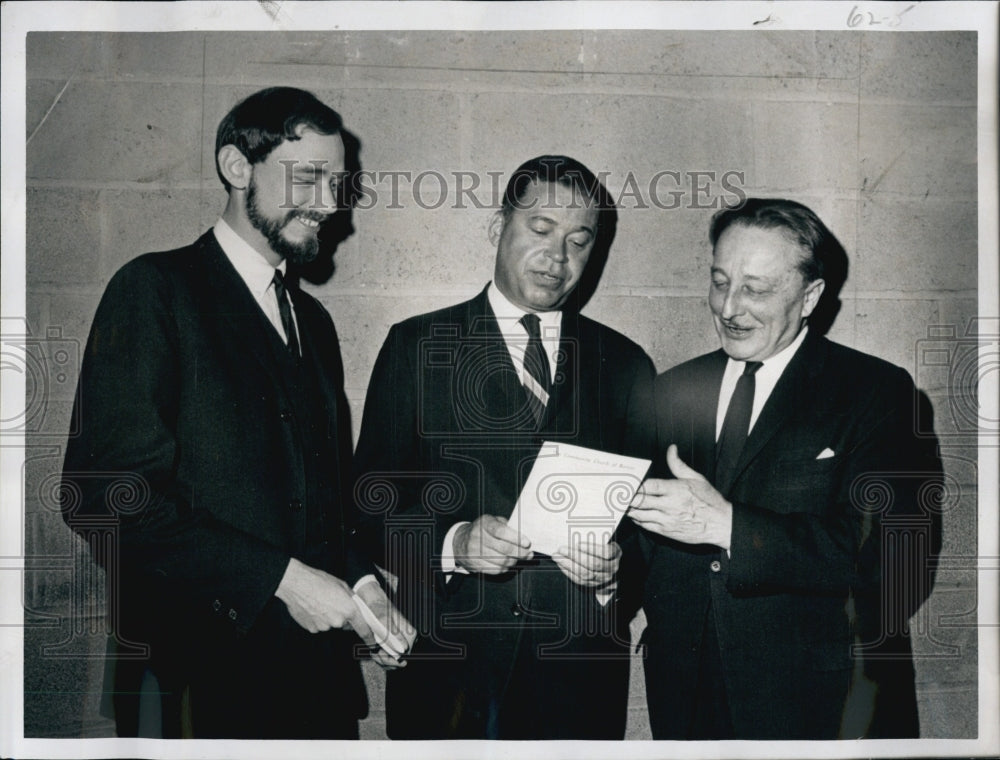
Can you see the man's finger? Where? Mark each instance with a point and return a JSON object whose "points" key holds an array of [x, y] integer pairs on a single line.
{"points": [[679, 468], [501, 550], [499, 529], [647, 519], [652, 487], [576, 573], [590, 561], [387, 661], [588, 564], [594, 549]]}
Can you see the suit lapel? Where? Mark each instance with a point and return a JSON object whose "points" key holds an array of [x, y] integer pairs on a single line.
{"points": [[787, 396], [327, 368], [569, 384], [704, 404], [504, 387], [228, 296], [504, 392]]}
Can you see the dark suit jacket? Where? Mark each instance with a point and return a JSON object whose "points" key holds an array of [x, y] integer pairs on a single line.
{"points": [[827, 553], [196, 468], [448, 436]]}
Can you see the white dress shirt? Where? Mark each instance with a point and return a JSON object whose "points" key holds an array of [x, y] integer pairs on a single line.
{"points": [[257, 273], [765, 379], [516, 337]]}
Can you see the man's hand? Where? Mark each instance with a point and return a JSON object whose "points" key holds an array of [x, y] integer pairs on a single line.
{"points": [[373, 596], [319, 601], [589, 564], [488, 545], [688, 509]]}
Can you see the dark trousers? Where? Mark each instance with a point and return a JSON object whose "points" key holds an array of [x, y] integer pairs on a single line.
{"points": [[711, 718]]}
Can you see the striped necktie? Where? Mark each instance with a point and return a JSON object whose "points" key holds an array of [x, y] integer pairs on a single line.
{"points": [[536, 376]]}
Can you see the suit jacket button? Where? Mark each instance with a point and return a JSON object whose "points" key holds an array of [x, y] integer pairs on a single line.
{"points": [[515, 609], [716, 566], [285, 415], [295, 505], [216, 605], [232, 614]]}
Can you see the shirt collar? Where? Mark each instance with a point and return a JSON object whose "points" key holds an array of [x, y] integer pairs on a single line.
{"points": [[772, 367], [252, 268], [508, 315]]}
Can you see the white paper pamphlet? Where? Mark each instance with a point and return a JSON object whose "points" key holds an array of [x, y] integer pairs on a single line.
{"points": [[575, 494]]}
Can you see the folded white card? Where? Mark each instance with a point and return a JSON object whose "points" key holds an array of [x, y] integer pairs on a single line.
{"points": [[575, 494], [389, 642]]}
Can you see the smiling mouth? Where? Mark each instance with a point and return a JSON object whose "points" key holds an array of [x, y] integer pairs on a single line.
{"points": [[735, 330], [308, 221]]}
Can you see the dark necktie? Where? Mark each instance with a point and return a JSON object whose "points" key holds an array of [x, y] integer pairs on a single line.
{"points": [[735, 428], [537, 380], [285, 309]]}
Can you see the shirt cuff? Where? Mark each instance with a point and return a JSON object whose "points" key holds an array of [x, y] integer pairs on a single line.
{"points": [[448, 565]]}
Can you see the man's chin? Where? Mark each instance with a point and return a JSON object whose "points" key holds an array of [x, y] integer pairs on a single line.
{"points": [[544, 299], [299, 257], [296, 253], [739, 350]]}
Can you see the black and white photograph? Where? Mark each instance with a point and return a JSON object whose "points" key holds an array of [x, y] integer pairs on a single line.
{"points": [[450, 379]]}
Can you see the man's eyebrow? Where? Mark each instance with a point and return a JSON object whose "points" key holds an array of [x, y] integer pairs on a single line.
{"points": [[550, 220], [541, 218], [752, 277]]}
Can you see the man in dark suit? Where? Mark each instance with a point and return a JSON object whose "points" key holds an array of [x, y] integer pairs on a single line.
{"points": [[788, 553], [515, 644], [212, 473]]}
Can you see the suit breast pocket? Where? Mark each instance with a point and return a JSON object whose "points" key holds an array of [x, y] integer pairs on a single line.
{"points": [[805, 485]]}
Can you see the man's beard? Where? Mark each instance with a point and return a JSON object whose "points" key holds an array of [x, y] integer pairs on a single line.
{"points": [[295, 253]]}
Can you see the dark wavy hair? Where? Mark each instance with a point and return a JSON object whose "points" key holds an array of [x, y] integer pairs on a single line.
{"points": [[569, 172], [260, 123], [799, 223]]}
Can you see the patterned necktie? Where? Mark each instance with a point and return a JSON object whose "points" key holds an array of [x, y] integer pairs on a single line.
{"points": [[285, 309], [735, 428], [536, 378]]}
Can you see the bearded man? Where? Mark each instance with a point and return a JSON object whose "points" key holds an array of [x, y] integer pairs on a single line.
{"points": [[212, 391]]}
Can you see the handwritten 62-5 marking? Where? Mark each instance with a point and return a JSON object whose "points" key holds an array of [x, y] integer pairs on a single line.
{"points": [[858, 17]]}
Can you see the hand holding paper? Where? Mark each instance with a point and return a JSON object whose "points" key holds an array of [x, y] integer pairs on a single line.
{"points": [[589, 564], [393, 633], [688, 509], [489, 545]]}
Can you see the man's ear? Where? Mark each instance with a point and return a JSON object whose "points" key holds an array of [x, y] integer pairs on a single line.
{"points": [[813, 291], [496, 227], [233, 165]]}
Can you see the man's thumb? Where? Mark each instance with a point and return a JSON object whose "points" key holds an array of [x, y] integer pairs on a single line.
{"points": [[678, 468]]}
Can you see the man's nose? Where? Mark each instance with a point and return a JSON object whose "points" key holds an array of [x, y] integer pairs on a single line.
{"points": [[732, 304], [558, 251]]}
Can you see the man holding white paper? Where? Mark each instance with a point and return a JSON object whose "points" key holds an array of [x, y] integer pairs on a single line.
{"points": [[515, 643]]}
